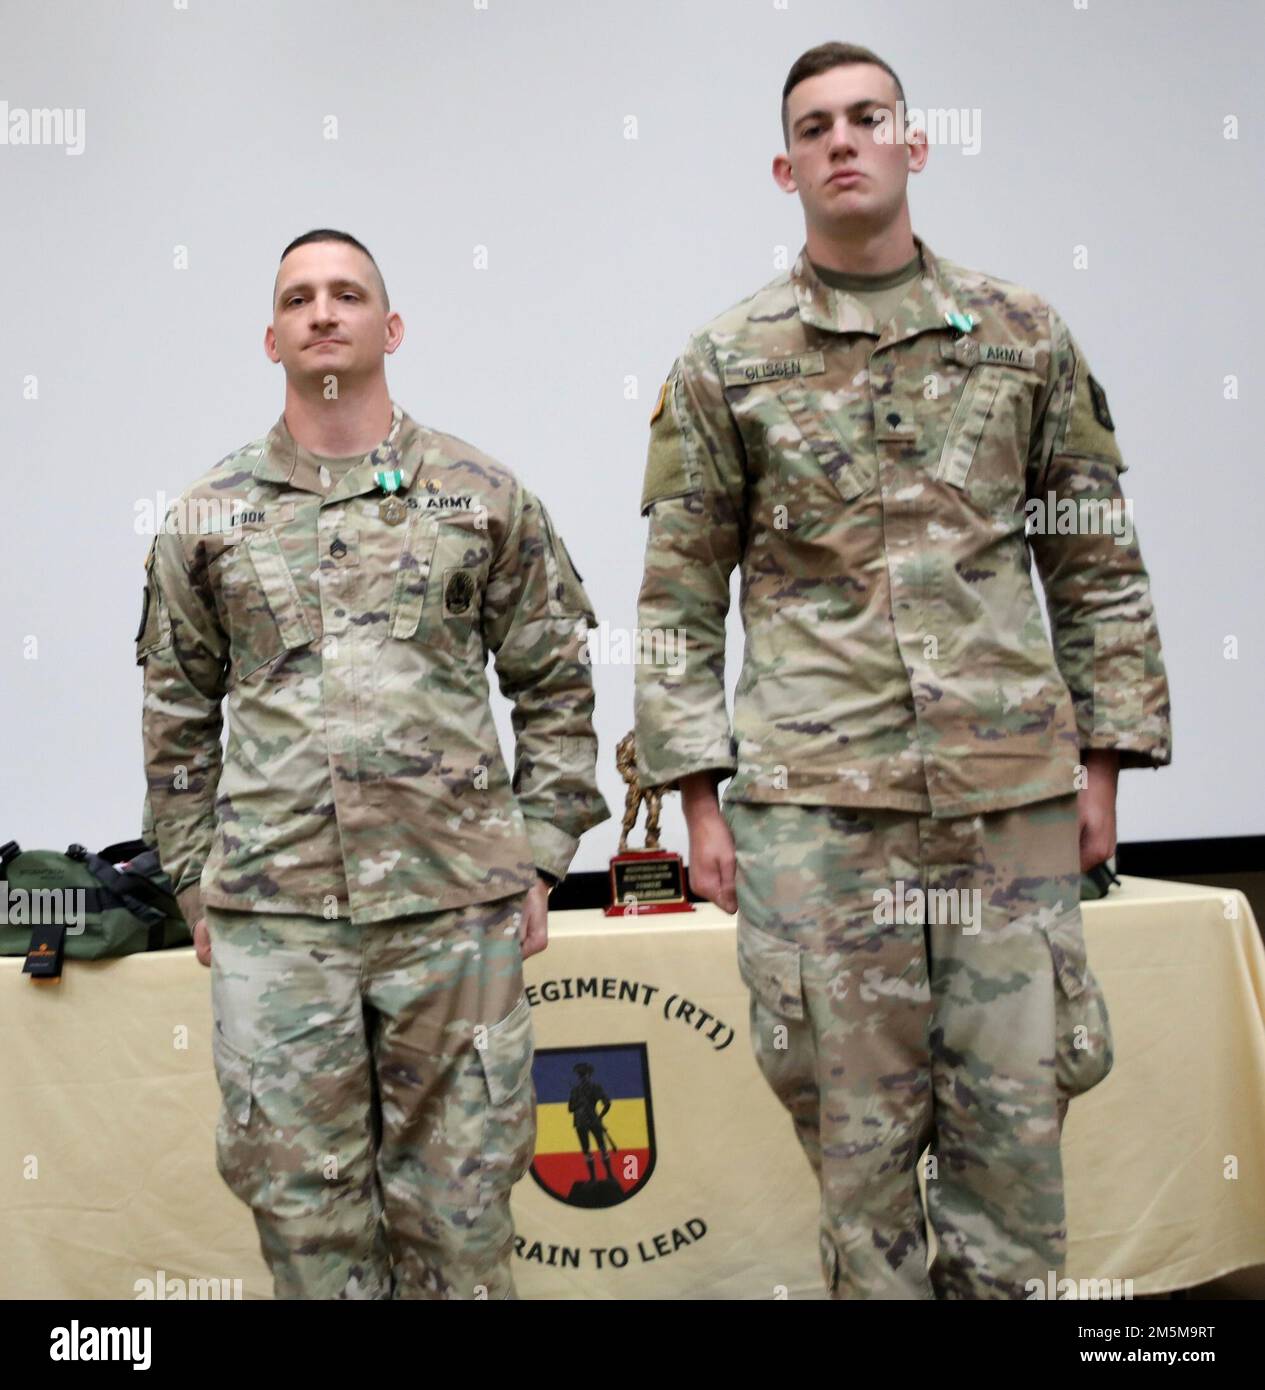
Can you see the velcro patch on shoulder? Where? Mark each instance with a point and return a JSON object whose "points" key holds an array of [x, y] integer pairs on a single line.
{"points": [[1101, 412], [752, 370], [670, 466], [1090, 429]]}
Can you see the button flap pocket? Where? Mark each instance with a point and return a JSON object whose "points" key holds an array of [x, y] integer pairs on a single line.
{"points": [[966, 428], [234, 1071], [852, 472], [507, 1053], [412, 577], [279, 589], [771, 968]]}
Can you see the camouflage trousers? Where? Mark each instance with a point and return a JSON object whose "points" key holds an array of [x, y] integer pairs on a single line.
{"points": [[923, 984], [377, 1096]]}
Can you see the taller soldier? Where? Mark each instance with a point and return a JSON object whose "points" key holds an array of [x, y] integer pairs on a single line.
{"points": [[880, 440], [364, 876]]}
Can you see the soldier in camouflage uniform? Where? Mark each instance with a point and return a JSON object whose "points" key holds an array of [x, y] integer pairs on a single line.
{"points": [[369, 875], [919, 777]]}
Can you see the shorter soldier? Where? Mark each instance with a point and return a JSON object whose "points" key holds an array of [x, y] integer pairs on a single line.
{"points": [[361, 872]]}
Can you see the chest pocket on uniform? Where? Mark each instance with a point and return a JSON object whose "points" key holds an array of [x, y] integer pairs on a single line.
{"points": [[853, 472], [438, 597], [261, 602], [986, 445], [800, 426]]}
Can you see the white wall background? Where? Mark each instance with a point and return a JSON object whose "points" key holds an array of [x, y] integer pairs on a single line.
{"points": [[504, 125]]}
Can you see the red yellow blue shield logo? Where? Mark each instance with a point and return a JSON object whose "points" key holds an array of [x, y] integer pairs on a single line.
{"points": [[594, 1123]]}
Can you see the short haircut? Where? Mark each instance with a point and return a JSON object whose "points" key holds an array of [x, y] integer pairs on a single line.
{"points": [[821, 59], [329, 234]]}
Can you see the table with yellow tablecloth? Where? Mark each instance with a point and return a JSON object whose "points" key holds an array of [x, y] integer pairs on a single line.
{"points": [[108, 1102]]}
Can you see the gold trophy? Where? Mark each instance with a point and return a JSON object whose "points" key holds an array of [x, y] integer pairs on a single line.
{"points": [[650, 879]]}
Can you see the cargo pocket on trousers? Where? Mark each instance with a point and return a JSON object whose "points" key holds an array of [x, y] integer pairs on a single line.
{"points": [[770, 968], [235, 1158], [509, 1136], [291, 1138], [1083, 1052], [781, 1040]]}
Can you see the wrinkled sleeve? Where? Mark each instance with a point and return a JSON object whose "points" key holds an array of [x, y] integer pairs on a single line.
{"points": [[535, 619], [1098, 593], [184, 652], [693, 495]]}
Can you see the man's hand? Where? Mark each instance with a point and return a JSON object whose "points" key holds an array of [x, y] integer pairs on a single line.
{"points": [[1096, 806], [190, 900], [712, 858], [533, 931]]}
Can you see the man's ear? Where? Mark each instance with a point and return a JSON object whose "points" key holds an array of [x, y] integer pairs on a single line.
{"points": [[270, 344], [783, 174]]}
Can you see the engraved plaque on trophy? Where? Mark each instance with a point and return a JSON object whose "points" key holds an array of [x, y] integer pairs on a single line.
{"points": [[650, 879]]}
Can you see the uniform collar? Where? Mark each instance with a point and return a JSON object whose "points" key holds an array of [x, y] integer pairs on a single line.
{"points": [[927, 301], [403, 448]]}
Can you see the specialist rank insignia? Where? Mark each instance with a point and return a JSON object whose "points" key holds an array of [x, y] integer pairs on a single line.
{"points": [[459, 592]]}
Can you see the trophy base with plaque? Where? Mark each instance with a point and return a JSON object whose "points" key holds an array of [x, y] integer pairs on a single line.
{"points": [[645, 881]]}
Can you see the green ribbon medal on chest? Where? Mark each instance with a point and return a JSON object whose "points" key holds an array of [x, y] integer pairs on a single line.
{"points": [[391, 509]]}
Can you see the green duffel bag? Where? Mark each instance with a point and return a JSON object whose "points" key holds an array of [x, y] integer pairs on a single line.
{"points": [[108, 910]]}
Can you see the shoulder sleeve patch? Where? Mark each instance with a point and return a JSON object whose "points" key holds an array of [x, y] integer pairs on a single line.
{"points": [[1101, 413], [154, 628], [1090, 429], [671, 470]]}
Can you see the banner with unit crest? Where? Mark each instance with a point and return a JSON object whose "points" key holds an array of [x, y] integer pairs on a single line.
{"points": [[664, 1166]]}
